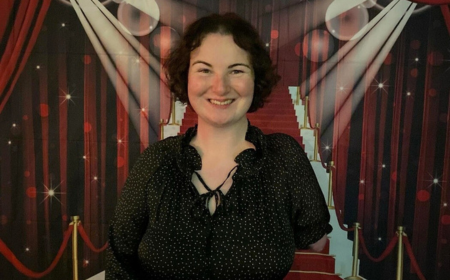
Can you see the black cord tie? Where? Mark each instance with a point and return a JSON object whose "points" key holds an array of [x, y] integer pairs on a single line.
{"points": [[217, 193]]}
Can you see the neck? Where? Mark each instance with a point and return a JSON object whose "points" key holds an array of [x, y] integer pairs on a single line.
{"points": [[220, 140]]}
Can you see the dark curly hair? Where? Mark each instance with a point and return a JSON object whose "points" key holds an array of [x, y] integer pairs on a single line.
{"points": [[244, 35]]}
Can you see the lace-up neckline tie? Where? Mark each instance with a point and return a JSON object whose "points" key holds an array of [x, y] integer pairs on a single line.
{"points": [[217, 193]]}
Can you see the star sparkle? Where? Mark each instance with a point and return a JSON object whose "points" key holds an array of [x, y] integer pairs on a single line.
{"points": [[51, 192], [66, 97]]}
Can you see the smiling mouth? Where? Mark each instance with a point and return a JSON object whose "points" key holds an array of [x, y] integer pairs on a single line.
{"points": [[222, 103]]}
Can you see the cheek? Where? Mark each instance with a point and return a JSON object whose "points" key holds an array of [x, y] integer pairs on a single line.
{"points": [[195, 85]]}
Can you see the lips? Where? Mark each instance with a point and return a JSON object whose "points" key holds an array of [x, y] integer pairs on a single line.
{"points": [[222, 103]]}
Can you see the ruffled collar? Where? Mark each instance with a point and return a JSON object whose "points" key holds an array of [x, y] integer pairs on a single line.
{"points": [[249, 161]]}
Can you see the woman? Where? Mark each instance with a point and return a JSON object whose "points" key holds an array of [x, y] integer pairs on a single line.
{"points": [[223, 201]]}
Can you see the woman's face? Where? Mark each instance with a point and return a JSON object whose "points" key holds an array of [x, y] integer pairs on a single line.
{"points": [[220, 81]]}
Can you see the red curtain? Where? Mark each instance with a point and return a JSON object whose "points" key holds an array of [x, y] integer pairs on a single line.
{"points": [[432, 2], [20, 23]]}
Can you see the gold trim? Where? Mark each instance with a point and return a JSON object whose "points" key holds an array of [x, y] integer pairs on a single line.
{"points": [[305, 117], [173, 119], [317, 254], [315, 272], [330, 187]]}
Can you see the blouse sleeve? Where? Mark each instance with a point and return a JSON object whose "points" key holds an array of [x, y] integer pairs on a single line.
{"points": [[130, 220], [310, 213]]}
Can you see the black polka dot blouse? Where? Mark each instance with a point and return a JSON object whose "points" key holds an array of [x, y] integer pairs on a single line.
{"points": [[162, 228]]}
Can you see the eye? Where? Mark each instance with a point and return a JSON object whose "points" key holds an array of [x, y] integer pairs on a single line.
{"points": [[236, 71], [204, 70]]}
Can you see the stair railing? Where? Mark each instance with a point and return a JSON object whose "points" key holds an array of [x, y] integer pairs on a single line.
{"points": [[298, 97], [162, 123], [305, 117], [316, 142], [330, 186], [173, 113]]}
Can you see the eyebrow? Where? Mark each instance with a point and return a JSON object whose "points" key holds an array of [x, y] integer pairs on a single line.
{"points": [[231, 66]]}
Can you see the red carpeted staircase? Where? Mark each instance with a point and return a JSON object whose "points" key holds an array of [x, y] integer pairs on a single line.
{"points": [[278, 115], [309, 265]]}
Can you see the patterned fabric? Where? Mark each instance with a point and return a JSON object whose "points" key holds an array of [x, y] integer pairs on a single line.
{"points": [[162, 230]]}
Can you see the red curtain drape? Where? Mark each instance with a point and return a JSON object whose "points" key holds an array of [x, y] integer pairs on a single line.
{"points": [[444, 8], [20, 23], [432, 2]]}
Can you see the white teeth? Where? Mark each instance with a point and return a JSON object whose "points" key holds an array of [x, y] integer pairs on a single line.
{"points": [[216, 102]]}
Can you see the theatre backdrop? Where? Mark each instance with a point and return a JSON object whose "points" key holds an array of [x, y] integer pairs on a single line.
{"points": [[82, 94]]}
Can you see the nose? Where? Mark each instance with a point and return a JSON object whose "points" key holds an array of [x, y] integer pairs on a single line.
{"points": [[220, 84]]}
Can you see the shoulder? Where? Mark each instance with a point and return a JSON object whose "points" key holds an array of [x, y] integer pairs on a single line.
{"points": [[162, 149], [283, 144], [157, 154]]}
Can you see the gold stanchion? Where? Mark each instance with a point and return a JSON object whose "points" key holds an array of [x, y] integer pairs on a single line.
{"points": [[75, 222], [297, 100], [354, 275], [173, 114], [316, 142], [400, 234], [161, 128], [305, 119], [330, 187]]}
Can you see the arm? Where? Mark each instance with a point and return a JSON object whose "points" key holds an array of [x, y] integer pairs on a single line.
{"points": [[130, 220], [319, 245], [310, 213]]}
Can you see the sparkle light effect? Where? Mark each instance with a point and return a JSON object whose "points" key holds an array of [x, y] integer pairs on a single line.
{"points": [[445, 204], [66, 97], [51, 192], [380, 85], [9, 142], [14, 125], [435, 181], [86, 157], [362, 181], [38, 67], [27, 249], [326, 147]]}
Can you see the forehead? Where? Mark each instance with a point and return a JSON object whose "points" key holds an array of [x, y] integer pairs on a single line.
{"points": [[221, 48]]}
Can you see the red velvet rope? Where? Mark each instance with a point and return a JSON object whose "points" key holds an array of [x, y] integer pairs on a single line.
{"points": [[414, 263], [24, 270], [88, 241], [386, 252]]}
